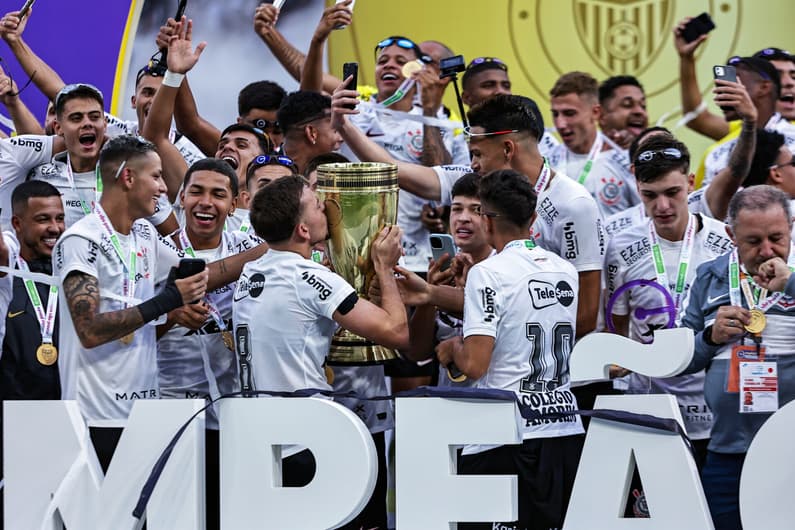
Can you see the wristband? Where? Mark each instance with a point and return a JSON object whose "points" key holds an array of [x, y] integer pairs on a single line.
{"points": [[173, 79], [166, 300]]}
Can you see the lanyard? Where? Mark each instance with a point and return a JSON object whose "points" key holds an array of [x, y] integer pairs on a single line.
{"points": [[529, 244], [46, 318], [596, 148], [684, 259], [740, 281], [71, 179], [543, 178], [404, 87], [213, 309], [128, 283]]}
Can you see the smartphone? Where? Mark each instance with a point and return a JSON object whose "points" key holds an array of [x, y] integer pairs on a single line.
{"points": [[727, 73], [343, 26], [701, 25], [180, 9], [442, 244], [25, 8], [351, 69], [189, 267]]}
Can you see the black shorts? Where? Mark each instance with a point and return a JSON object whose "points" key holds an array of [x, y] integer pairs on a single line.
{"points": [[546, 468]]}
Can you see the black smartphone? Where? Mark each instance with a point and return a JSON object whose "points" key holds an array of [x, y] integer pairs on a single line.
{"points": [[351, 69], [727, 73], [442, 244], [25, 8], [698, 26], [189, 267], [180, 9]]}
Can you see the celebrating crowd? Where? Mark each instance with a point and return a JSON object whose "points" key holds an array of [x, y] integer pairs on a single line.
{"points": [[136, 253]]}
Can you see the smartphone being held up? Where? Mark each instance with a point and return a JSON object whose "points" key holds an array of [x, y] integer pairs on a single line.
{"points": [[726, 73], [442, 244], [698, 26], [351, 69]]}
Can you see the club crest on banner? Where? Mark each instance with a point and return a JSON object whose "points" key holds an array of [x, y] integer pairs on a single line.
{"points": [[614, 37]]}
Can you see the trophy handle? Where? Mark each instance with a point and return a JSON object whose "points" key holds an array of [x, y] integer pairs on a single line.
{"points": [[333, 214]]}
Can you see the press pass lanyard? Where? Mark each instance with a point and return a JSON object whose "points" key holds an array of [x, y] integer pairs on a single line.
{"points": [[128, 282], [70, 177], [595, 150], [684, 260], [46, 318]]}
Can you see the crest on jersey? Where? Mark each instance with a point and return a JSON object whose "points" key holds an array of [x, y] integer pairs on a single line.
{"points": [[622, 36]]}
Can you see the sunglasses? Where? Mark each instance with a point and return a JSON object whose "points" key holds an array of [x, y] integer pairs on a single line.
{"points": [[264, 160], [406, 44], [156, 67], [488, 60], [670, 153], [791, 162], [265, 125], [69, 89]]}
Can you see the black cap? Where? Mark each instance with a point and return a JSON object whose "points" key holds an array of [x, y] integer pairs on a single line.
{"points": [[761, 67]]}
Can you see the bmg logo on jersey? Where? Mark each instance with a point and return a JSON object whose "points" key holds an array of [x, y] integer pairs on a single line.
{"points": [[544, 294], [323, 289], [570, 238], [487, 300]]}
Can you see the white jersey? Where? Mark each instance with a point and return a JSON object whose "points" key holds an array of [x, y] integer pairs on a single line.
{"points": [[609, 181], [547, 144], [620, 221], [718, 157], [196, 363], [18, 155], [365, 381], [7, 281], [403, 140], [697, 202], [632, 289], [569, 224], [526, 298], [106, 379], [119, 127], [283, 308]]}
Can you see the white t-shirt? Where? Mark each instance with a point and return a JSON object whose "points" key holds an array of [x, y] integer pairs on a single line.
{"points": [[7, 281], [569, 224], [18, 155], [403, 140], [629, 259], [196, 363], [284, 305], [609, 181], [106, 379], [527, 300], [119, 127]]}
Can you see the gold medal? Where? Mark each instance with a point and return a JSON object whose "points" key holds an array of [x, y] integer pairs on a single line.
{"points": [[47, 354], [229, 342], [329, 374], [456, 378], [410, 67], [127, 339], [758, 322]]}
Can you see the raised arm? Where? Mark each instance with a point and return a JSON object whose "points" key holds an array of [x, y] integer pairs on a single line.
{"points": [[181, 58], [705, 122], [729, 179], [44, 77], [24, 120], [312, 71], [434, 152], [414, 178], [288, 55]]}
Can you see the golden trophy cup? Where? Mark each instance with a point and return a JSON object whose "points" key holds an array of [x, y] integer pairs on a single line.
{"points": [[360, 198]]}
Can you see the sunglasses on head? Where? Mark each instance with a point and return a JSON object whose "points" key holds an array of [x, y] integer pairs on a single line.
{"points": [[406, 44], [156, 67], [670, 153], [790, 162], [264, 160], [488, 60], [68, 89], [264, 125]]}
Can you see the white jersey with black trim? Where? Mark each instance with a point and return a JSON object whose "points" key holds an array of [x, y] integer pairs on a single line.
{"points": [[609, 181], [403, 140], [718, 158], [526, 298], [196, 363], [106, 379], [632, 290], [569, 224], [283, 307], [18, 155]]}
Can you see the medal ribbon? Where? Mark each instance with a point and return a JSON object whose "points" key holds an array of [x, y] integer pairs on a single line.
{"points": [[739, 280], [128, 283], [404, 87], [46, 319], [543, 178], [215, 314], [71, 179], [596, 148], [684, 260]]}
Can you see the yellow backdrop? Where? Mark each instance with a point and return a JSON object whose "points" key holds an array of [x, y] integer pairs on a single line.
{"points": [[541, 39]]}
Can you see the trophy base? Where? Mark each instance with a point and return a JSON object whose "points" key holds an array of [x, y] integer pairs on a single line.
{"points": [[349, 349]]}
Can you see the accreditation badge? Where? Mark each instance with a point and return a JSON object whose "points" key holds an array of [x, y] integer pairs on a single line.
{"points": [[758, 386], [742, 353]]}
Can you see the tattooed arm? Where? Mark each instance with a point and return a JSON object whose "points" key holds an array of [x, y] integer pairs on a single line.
{"points": [[92, 327]]}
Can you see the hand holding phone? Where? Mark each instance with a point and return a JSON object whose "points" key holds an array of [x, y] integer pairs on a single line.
{"points": [[351, 69], [189, 267], [442, 244], [698, 26], [726, 73]]}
